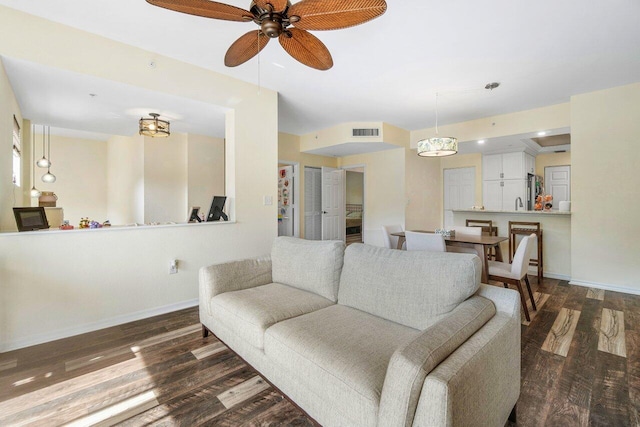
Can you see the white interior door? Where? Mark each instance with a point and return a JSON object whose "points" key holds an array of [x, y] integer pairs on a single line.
{"points": [[459, 191], [312, 203], [333, 204], [557, 182]]}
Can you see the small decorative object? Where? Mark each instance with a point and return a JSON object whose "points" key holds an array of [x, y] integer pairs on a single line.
{"points": [[539, 202], [107, 223], [95, 224], [548, 202], [445, 232], [66, 226], [47, 199], [84, 223]]}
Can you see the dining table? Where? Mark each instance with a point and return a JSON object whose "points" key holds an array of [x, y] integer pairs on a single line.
{"points": [[481, 244]]}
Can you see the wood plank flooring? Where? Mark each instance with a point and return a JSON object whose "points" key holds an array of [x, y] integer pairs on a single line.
{"points": [[580, 367]]}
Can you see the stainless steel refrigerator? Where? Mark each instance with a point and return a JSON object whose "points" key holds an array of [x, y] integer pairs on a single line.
{"points": [[534, 188]]}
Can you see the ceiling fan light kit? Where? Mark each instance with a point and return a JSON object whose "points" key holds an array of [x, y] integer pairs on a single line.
{"points": [[154, 127], [290, 24]]}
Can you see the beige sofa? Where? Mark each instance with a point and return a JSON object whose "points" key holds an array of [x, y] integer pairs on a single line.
{"points": [[371, 336]]}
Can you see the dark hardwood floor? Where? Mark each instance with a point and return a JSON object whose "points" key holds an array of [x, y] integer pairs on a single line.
{"points": [[580, 366]]}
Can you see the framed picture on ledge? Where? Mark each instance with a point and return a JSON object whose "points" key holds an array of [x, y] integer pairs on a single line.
{"points": [[29, 219]]}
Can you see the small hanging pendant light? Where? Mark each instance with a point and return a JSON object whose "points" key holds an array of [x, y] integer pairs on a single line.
{"points": [[49, 177], [154, 127], [43, 162], [34, 191], [437, 146]]}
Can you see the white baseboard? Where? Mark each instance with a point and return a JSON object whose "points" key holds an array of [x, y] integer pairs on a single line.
{"points": [[94, 326], [606, 287]]}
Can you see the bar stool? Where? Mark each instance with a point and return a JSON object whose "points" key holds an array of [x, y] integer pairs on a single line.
{"points": [[524, 229], [487, 229]]}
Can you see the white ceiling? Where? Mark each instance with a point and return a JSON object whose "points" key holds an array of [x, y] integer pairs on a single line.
{"points": [[389, 69]]}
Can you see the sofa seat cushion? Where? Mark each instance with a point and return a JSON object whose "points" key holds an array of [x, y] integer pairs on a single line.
{"points": [[341, 354], [249, 312]]}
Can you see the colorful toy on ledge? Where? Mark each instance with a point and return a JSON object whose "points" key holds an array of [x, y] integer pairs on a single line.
{"points": [[84, 223], [95, 224], [66, 226]]}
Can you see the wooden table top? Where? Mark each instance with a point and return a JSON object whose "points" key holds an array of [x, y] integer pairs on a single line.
{"points": [[478, 240]]}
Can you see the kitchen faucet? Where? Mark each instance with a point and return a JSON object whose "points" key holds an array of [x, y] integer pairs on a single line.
{"points": [[518, 199]]}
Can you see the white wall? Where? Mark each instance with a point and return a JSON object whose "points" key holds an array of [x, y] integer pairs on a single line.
{"points": [[55, 284], [125, 179], [165, 179], [80, 167], [605, 154]]}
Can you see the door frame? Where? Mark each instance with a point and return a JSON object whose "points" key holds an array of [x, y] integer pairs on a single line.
{"points": [[362, 166], [296, 194]]}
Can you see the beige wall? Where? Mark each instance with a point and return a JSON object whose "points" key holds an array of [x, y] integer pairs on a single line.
{"points": [[205, 158], [289, 151], [384, 191], [125, 179], [423, 192], [80, 167], [342, 133], [165, 179], [355, 188], [605, 154], [551, 159], [88, 279], [8, 108]]}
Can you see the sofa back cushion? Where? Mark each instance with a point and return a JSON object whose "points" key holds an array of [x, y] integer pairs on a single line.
{"points": [[413, 288], [310, 265]]}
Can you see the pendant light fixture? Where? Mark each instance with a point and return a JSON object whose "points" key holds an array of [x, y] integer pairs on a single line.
{"points": [[34, 191], [154, 127], [49, 177], [437, 146], [43, 162]]}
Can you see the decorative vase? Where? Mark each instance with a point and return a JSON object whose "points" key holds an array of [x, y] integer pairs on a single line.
{"points": [[47, 199]]}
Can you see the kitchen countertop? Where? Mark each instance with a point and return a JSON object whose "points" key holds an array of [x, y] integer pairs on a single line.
{"points": [[523, 212]]}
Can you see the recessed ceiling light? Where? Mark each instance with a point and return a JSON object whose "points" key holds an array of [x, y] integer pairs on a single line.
{"points": [[481, 141], [542, 133], [93, 95]]}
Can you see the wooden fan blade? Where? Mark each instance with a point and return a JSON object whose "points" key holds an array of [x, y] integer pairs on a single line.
{"points": [[334, 14], [306, 48], [277, 5], [245, 48], [205, 8]]}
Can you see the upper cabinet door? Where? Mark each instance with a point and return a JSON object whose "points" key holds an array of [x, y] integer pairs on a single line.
{"points": [[530, 164], [492, 167], [513, 166]]}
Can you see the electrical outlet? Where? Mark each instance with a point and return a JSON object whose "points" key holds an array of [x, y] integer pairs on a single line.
{"points": [[173, 267]]}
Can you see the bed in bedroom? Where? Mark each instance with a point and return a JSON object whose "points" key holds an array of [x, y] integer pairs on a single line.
{"points": [[354, 218]]}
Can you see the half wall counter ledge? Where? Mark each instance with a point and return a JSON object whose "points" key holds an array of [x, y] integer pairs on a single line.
{"points": [[557, 235]]}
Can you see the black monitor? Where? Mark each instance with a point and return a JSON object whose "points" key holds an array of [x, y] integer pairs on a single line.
{"points": [[215, 212], [29, 219]]}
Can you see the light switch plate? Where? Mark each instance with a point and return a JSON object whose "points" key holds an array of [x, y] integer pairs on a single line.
{"points": [[268, 200]]}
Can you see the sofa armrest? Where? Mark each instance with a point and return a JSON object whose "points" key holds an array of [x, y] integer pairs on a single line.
{"points": [[232, 276], [410, 364], [507, 301]]}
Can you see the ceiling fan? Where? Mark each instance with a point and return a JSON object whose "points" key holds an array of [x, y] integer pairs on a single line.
{"points": [[289, 23]]}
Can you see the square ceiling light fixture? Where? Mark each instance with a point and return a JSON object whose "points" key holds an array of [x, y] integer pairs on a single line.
{"points": [[154, 127]]}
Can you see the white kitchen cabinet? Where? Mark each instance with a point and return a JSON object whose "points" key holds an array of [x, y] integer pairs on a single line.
{"points": [[501, 194], [505, 179], [507, 166]]}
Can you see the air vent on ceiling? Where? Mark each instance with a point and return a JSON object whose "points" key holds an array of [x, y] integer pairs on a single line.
{"points": [[365, 132]]}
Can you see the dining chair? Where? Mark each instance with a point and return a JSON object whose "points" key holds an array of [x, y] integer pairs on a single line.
{"points": [[464, 231], [391, 242], [425, 242], [488, 229], [515, 273]]}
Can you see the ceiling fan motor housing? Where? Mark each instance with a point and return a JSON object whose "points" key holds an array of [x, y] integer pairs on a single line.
{"points": [[271, 27]]}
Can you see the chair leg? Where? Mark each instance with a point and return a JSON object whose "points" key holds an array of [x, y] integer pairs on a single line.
{"points": [[205, 331], [533, 302], [524, 301], [506, 285]]}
